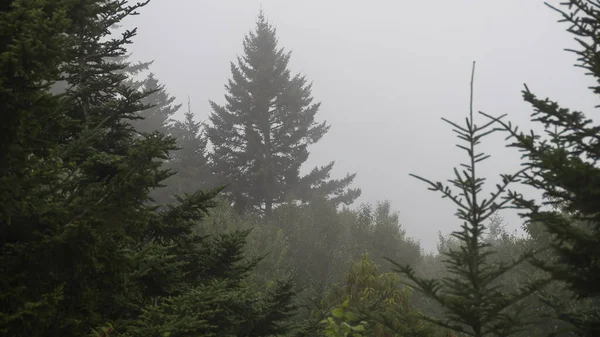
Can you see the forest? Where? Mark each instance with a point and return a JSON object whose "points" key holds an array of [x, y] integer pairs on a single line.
{"points": [[118, 219]]}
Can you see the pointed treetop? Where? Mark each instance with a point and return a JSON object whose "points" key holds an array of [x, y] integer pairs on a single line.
{"points": [[262, 23], [266, 127]]}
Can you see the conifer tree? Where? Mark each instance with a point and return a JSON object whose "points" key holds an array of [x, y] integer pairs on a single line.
{"points": [[97, 207], [32, 46], [377, 299], [191, 161], [475, 302], [78, 188], [159, 115], [562, 163], [80, 245], [154, 257], [132, 70], [205, 291], [261, 136]]}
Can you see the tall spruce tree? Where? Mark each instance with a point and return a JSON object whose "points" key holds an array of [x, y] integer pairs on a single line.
{"points": [[79, 244], [73, 198], [563, 164], [100, 208], [471, 294], [261, 136], [32, 45]]}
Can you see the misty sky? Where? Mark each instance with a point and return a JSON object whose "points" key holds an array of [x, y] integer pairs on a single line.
{"points": [[385, 72]]}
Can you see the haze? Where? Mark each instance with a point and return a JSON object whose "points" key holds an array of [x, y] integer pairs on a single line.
{"points": [[385, 72]]}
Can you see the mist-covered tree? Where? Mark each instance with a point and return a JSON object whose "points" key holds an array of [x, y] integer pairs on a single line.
{"points": [[370, 303], [80, 246], [158, 116], [73, 198], [190, 160], [132, 69], [563, 164], [379, 227], [162, 107], [149, 259], [216, 297], [474, 301], [261, 136]]}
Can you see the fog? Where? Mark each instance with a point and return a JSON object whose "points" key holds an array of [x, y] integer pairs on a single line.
{"points": [[385, 72]]}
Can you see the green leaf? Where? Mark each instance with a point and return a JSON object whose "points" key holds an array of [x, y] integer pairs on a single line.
{"points": [[338, 312], [359, 328], [351, 316]]}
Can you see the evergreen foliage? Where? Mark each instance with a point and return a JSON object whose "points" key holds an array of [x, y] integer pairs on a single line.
{"points": [[474, 302], [510, 246], [315, 240], [111, 224], [191, 161], [217, 299], [261, 136], [372, 304], [31, 48], [562, 163], [159, 115], [63, 247], [132, 69], [378, 231], [80, 245]]}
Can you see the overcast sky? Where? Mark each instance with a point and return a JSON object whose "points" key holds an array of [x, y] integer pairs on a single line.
{"points": [[385, 72]]}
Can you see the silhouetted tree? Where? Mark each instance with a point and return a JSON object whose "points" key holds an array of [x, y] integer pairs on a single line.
{"points": [[470, 293], [261, 136], [32, 46], [191, 160], [563, 165], [79, 244], [159, 115]]}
